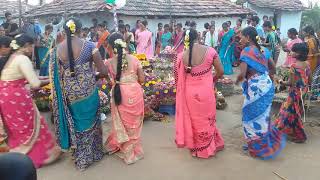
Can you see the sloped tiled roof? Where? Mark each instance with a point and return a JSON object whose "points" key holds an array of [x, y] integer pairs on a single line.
{"points": [[181, 8], [288, 5], [12, 7]]}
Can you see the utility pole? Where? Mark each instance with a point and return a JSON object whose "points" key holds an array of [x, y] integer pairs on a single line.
{"points": [[65, 9], [20, 13]]}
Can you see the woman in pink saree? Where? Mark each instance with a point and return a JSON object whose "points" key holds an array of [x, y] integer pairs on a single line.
{"points": [[144, 40], [195, 101], [127, 103], [22, 129], [293, 36], [178, 39]]}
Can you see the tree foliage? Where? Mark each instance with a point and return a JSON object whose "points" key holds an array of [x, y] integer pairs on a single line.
{"points": [[311, 17]]}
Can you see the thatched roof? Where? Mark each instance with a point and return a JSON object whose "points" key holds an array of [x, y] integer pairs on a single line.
{"points": [[289, 5], [177, 8], [12, 7]]}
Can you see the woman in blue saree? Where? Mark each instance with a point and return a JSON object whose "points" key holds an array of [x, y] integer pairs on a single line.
{"points": [[46, 44], [75, 96], [264, 141], [227, 47]]}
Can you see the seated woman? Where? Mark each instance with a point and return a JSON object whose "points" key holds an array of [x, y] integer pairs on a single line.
{"points": [[195, 99], [21, 125], [292, 111], [264, 141], [127, 104]]}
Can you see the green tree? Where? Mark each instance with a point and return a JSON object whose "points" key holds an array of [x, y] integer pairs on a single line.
{"points": [[311, 17]]}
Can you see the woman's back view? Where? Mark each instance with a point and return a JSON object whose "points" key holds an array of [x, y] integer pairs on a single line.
{"points": [[75, 97], [195, 100]]}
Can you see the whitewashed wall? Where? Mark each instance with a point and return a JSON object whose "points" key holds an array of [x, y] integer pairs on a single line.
{"points": [[289, 19], [285, 19]]}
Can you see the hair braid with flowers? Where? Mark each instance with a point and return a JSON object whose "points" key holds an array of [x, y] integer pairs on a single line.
{"points": [[116, 41], [189, 40], [71, 27]]}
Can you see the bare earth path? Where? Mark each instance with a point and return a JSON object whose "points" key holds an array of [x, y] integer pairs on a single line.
{"points": [[163, 161]]}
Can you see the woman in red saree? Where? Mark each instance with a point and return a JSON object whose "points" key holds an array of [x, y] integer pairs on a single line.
{"points": [[22, 129], [127, 103], [195, 101]]}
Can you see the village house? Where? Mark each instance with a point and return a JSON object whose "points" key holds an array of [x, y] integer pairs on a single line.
{"points": [[287, 13], [12, 7], [155, 11]]}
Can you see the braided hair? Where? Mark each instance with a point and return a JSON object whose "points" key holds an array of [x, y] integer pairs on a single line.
{"points": [[251, 32], [71, 27], [15, 44], [191, 36], [119, 51]]}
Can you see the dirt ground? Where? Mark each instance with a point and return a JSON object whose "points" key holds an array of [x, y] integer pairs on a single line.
{"points": [[163, 161]]}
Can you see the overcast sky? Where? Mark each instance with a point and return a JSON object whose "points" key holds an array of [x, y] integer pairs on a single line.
{"points": [[37, 1]]}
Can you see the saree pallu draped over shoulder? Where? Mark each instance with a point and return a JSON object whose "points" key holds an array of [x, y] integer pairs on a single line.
{"points": [[264, 140], [22, 126], [76, 108], [127, 118], [196, 108]]}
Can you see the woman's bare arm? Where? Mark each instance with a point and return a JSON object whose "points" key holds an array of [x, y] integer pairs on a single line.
{"points": [[243, 72]]}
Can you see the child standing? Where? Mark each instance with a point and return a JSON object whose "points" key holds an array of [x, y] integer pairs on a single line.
{"points": [[292, 112]]}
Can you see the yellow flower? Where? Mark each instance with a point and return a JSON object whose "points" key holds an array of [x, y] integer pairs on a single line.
{"points": [[146, 85], [72, 26], [174, 90], [166, 91], [104, 87], [157, 93], [153, 82], [159, 80]]}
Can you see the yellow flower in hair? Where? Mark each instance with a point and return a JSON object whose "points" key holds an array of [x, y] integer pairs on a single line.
{"points": [[187, 40], [14, 45], [72, 26], [273, 28]]}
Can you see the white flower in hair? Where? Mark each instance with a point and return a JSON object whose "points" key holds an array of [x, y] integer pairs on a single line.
{"points": [[14, 45], [121, 43]]}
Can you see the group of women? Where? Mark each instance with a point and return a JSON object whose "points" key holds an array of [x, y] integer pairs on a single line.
{"points": [[195, 102], [75, 98]]}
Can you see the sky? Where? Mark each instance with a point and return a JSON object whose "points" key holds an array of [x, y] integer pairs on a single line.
{"points": [[37, 1]]}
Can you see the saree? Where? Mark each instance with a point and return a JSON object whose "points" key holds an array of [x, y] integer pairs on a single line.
{"points": [[101, 40], [290, 60], [226, 51], [274, 46], [178, 42], [313, 56], [76, 108], [144, 43], [291, 111], [158, 42], [196, 108], [44, 55], [22, 126], [124, 139], [264, 140], [166, 40]]}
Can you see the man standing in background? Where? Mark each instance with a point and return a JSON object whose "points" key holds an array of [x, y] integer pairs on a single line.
{"points": [[11, 28]]}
